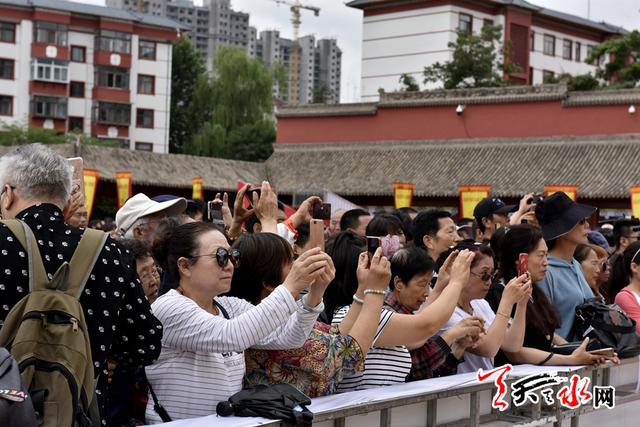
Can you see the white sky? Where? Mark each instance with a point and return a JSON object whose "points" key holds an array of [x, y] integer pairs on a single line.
{"points": [[345, 24]]}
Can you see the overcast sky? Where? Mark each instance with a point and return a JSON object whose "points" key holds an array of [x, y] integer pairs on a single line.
{"points": [[345, 24]]}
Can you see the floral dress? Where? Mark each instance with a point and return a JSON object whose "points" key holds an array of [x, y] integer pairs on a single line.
{"points": [[316, 368]]}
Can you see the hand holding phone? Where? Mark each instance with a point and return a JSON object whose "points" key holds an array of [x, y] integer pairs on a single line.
{"points": [[322, 211], [604, 352]]}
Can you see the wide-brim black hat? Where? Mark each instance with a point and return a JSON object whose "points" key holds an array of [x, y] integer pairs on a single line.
{"points": [[558, 214]]}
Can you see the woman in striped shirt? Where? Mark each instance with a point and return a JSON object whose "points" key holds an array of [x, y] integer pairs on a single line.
{"points": [[202, 360]]}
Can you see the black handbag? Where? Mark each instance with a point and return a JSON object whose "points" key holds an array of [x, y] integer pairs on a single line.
{"points": [[279, 401], [607, 325]]}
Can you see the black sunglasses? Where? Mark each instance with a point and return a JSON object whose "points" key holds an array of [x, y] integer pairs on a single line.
{"points": [[223, 256], [485, 276]]}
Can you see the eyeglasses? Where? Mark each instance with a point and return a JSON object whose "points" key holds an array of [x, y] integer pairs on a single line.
{"points": [[153, 274], [485, 276], [223, 256]]}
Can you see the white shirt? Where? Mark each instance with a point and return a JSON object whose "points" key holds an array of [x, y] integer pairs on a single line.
{"points": [[473, 362], [202, 359], [383, 365]]}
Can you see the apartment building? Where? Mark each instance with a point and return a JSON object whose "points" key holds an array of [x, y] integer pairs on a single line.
{"points": [[71, 66], [404, 36]]}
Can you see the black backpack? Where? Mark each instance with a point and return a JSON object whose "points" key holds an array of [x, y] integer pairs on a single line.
{"points": [[16, 408], [278, 402], [608, 326]]}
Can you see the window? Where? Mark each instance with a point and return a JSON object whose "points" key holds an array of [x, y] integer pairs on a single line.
{"points": [[112, 77], [78, 53], [147, 50], [567, 49], [578, 54], [76, 90], [146, 84], [6, 105], [465, 22], [144, 118], [6, 69], [76, 124], [547, 76], [589, 51], [532, 41], [51, 33], [487, 22], [49, 107], [114, 113], [549, 47], [113, 41], [50, 70], [144, 146], [7, 32]]}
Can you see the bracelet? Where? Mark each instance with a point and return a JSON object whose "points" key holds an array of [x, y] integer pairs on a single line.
{"points": [[502, 314], [358, 300], [374, 291], [546, 360]]}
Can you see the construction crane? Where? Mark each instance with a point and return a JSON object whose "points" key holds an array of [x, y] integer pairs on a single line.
{"points": [[295, 7]]}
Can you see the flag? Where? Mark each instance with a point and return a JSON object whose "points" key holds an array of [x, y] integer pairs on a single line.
{"points": [[124, 185], [338, 202], [196, 183], [470, 196], [90, 184], [570, 190], [403, 194]]}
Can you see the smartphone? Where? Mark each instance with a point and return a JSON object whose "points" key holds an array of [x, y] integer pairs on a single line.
{"points": [[523, 264], [606, 352], [214, 211], [322, 211], [316, 233], [77, 179], [251, 190], [373, 243]]}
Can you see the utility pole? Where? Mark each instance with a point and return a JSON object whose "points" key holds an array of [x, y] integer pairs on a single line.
{"points": [[295, 6]]}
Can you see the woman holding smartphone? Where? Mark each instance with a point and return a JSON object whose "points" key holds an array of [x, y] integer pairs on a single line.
{"points": [[518, 243]]}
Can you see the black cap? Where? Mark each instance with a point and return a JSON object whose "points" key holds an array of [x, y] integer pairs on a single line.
{"points": [[558, 214], [491, 205]]}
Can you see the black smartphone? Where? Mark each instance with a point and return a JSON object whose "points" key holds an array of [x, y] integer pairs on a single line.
{"points": [[373, 243], [214, 211], [251, 190], [322, 211]]}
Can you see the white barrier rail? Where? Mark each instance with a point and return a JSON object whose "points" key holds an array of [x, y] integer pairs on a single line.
{"points": [[459, 400]]}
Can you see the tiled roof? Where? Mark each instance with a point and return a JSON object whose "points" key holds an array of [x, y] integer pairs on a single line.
{"points": [[602, 167], [600, 26], [170, 171], [95, 10]]}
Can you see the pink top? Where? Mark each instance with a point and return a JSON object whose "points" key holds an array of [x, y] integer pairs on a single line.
{"points": [[630, 303]]}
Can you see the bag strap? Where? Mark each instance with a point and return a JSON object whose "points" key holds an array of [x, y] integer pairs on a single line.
{"points": [[83, 260], [224, 312], [157, 406], [37, 274], [613, 328]]}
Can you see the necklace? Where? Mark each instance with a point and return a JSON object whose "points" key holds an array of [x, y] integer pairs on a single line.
{"points": [[469, 311]]}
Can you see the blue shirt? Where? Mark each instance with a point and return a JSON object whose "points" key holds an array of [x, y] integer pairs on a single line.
{"points": [[566, 287]]}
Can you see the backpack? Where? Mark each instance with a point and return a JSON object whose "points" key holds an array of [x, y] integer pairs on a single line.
{"points": [[15, 405], [46, 333], [607, 325], [278, 401]]}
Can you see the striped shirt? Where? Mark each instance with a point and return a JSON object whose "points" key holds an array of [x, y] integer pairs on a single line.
{"points": [[202, 357], [382, 366]]}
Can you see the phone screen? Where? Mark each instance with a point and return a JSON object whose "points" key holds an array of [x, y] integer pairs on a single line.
{"points": [[373, 243], [214, 211]]}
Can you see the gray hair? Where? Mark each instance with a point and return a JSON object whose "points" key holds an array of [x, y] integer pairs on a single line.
{"points": [[38, 172]]}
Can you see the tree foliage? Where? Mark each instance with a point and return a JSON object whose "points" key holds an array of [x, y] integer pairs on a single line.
{"points": [[321, 94], [17, 135], [232, 111], [577, 82], [409, 83], [477, 61], [187, 70], [623, 68]]}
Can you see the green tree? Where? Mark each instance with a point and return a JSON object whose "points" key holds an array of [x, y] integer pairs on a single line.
{"points": [[623, 68], [187, 71], [477, 61], [236, 107], [17, 135], [321, 94], [409, 83], [579, 82]]}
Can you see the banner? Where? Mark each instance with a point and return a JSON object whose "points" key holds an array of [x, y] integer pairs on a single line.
{"points": [[403, 194], [570, 190], [635, 201], [90, 184], [470, 196], [124, 185], [338, 202], [197, 189]]}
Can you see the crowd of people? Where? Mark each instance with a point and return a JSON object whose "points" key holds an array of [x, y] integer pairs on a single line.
{"points": [[184, 312]]}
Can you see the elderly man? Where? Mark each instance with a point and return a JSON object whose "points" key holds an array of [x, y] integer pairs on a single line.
{"points": [[36, 184], [139, 217]]}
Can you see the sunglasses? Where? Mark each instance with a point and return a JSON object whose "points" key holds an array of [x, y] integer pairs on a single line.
{"points": [[223, 256], [485, 276]]}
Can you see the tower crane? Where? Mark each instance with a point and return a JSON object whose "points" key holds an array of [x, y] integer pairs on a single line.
{"points": [[295, 7]]}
